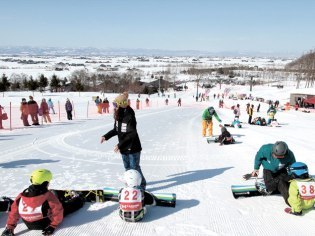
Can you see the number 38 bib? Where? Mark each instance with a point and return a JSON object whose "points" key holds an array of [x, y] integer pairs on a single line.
{"points": [[307, 190]]}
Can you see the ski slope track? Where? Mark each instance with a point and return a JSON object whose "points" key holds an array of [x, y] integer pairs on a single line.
{"points": [[175, 159]]}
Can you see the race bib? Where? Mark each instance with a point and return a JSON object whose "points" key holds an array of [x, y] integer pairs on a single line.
{"points": [[130, 199], [306, 190], [28, 213]]}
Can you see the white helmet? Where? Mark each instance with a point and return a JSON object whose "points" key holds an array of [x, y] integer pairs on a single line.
{"points": [[132, 178]]}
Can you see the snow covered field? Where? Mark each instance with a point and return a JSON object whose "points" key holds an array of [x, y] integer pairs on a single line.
{"points": [[13, 66], [175, 158]]}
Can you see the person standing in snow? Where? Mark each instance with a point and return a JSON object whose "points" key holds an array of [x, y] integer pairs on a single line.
{"points": [[33, 110], [125, 127], [68, 107], [38, 207], [258, 108], [1, 108], [51, 105], [207, 123], [271, 112], [237, 111], [274, 158], [105, 106], [45, 111], [179, 102], [24, 112], [250, 113]]}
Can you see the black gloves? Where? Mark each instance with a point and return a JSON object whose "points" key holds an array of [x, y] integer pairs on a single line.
{"points": [[48, 231], [7, 232]]}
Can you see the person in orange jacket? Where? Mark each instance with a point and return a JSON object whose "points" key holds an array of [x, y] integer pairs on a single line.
{"points": [[24, 112]]}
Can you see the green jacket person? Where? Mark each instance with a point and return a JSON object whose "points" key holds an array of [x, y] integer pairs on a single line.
{"points": [[207, 120]]}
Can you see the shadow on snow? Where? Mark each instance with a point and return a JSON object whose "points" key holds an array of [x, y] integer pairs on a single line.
{"points": [[186, 177], [23, 163]]}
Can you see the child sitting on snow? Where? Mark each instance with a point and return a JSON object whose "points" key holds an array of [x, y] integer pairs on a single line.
{"points": [[236, 123], [301, 190], [132, 198], [38, 207], [225, 137]]}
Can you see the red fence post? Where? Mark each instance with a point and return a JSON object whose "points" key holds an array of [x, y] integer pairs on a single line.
{"points": [[59, 110], [87, 111], [10, 117], [73, 108]]}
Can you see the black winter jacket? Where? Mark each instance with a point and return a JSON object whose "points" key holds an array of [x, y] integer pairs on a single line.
{"points": [[126, 129]]}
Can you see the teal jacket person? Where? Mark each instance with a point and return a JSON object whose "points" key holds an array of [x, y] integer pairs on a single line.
{"points": [[266, 158], [275, 158]]}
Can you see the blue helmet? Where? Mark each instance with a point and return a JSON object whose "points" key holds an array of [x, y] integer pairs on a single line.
{"points": [[298, 169]]}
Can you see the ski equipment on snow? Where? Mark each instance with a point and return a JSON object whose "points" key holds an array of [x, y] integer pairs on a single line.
{"points": [[111, 194], [256, 189]]}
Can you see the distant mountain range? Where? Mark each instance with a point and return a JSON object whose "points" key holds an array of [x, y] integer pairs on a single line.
{"points": [[89, 51]]}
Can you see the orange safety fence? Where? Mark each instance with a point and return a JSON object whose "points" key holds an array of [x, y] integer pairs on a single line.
{"points": [[81, 110]]}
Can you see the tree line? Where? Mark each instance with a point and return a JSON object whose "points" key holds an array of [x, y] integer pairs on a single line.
{"points": [[304, 69], [79, 80]]}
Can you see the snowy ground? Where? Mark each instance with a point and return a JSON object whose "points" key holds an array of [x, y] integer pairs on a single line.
{"points": [[175, 158]]}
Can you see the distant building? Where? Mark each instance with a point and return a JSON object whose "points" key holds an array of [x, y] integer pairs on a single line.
{"points": [[294, 97]]}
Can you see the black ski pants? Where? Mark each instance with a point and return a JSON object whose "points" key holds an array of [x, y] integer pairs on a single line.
{"points": [[278, 181]]}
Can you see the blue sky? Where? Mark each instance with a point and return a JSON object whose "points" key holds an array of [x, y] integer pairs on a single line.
{"points": [[207, 25]]}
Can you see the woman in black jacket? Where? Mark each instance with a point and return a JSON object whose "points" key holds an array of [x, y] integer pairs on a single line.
{"points": [[125, 127]]}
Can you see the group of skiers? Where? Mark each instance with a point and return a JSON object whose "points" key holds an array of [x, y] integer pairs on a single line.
{"points": [[32, 109], [281, 172], [102, 105]]}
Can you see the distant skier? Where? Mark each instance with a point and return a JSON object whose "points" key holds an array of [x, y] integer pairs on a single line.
{"points": [[105, 106], [45, 111], [258, 107], [207, 121], [33, 110], [138, 104], [301, 190], [237, 111], [179, 102], [51, 105], [235, 124], [132, 198], [68, 107], [38, 207], [274, 158], [250, 113], [271, 112]]}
